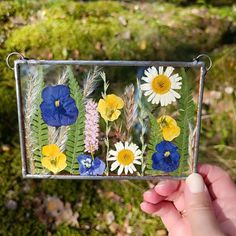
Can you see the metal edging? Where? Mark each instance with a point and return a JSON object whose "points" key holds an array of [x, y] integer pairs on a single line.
{"points": [[203, 72], [194, 64], [20, 119]]}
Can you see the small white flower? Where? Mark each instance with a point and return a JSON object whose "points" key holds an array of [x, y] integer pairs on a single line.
{"points": [[160, 85], [124, 157], [229, 90]]}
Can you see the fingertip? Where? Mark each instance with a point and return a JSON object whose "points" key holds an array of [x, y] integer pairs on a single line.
{"points": [[151, 196], [145, 207], [167, 187]]}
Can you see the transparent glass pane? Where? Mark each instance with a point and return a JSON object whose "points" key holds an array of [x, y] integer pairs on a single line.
{"points": [[87, 120]]}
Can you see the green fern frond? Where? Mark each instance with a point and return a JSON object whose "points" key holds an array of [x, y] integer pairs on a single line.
{"points": [[75, 141], [39, 132], [186, 115], [154, 138]]}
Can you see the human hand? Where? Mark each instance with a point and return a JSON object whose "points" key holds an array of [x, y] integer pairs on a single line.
{"points": [[195, 208]]}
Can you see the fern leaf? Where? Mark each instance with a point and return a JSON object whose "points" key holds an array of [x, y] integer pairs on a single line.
{"points": [[186, 115], [39, 132], [154, 138], [75, 140]]}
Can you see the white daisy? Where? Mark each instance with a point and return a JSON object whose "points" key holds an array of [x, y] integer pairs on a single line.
{"points": [[124, 157], [160, 85]]}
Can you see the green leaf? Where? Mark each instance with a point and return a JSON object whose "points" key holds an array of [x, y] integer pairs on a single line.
{"points": [[39, 132], [155, 137], [186, 115], [75, 141]]}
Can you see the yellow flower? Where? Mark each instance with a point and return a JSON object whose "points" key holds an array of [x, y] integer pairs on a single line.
{"points": [[169, 127], [53, 159], [109, 107]]}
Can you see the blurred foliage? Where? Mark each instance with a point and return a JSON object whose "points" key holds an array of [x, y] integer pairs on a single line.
{"points": [[132, 30]]}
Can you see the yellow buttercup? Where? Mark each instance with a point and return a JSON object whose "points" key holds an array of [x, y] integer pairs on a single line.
{"points": [[54, 160], [169, 127], [110, 106]]}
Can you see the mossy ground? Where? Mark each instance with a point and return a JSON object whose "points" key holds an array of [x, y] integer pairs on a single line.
{"points": [[111, 30]]}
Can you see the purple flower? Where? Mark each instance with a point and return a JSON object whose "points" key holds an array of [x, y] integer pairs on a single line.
{"points": [[91, 127], [166, 158], [58, 107], [88, 166]]}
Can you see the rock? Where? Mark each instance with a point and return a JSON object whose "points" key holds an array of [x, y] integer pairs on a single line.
{"points": [[11, 204]]}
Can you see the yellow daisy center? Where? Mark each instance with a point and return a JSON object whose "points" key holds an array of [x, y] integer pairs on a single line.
{"points": [[161, 84], [125, 157], [166, 154], [57, 103]]}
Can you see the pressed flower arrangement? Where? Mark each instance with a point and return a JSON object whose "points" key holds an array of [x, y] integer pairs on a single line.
{"points": [[100, 121]]}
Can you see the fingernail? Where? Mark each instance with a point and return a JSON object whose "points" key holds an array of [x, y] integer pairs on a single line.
{"points": [[195, 183]]}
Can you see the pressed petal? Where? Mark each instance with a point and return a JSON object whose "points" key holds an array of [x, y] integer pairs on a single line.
{"points": [[147, 93], [154, 71], [161, 69], [61, 162], [114, 165], [119, 146], [177, 95], [146, 79], [46, 162], [126, 170], [51, 150], [146, 86], [115, 101], [151, 97], [120, 170], [112, 153], [169, 70], [130, 169], [101, 106], [170, 133], [137, 162], [133, 167]]}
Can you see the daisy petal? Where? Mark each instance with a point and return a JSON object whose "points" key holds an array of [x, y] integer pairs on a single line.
{"points": [[169, 71], [146, 79], [120, 170], [133, 167], [130, 170], [147, 93], [111, 158], [145, 87], [114, 165], [177, 95], [137, 162], [151, 97], [160, 70], [126, 170]]}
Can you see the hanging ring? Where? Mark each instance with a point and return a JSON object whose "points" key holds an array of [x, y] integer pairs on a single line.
{"points": [[20, 56], [206, 56]]}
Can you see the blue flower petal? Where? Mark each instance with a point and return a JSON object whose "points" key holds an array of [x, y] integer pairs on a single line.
{"points": [[65, 113], [97, 166], [163, 163]]}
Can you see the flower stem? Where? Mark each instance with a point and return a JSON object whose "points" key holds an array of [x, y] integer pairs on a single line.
{"points": [[107, 145], [141, 119]]}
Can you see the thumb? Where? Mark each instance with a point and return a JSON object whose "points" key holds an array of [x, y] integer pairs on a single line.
{"points": [[198, 206]]}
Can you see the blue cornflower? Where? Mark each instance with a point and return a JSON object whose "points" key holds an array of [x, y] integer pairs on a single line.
{"points": [[88, 166], [58, 107], [166, 158]]}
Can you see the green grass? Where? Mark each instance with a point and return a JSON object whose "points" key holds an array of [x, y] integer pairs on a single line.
{"points": [[111, 30]]}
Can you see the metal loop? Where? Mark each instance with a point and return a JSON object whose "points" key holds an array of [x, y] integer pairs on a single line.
{"points": [[21, 57], [206, 56]]}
